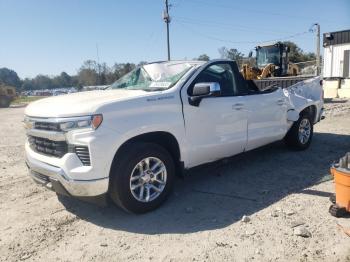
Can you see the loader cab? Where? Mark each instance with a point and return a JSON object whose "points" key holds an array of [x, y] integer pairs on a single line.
{"points": [[276, 54]]}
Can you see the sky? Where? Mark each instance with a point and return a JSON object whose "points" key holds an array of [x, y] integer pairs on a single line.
{"points": [[51, 36]]}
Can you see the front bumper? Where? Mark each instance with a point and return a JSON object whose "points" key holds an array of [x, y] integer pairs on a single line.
{"points": [[56, 179]]}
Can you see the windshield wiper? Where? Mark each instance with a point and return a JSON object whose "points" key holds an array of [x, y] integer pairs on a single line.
{"points": [[154, 89]]}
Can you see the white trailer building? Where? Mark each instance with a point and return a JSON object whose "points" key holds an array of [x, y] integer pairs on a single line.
{"points": [[336, 64]]}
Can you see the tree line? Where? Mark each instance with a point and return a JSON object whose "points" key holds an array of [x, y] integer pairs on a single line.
{"points": [[92, 73]]}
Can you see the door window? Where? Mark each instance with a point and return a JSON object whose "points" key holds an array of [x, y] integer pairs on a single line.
{"points": [[220, 73]]}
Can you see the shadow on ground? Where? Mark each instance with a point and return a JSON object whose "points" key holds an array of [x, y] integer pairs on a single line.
{"points": [[218, 195], [332, 101]]}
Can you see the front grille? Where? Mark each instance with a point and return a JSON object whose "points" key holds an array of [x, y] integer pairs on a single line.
{"points": [[83, 154], [48, 147], [47, 126]]}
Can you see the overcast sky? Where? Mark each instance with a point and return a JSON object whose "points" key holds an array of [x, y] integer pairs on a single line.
{"points": [[48, 37]]}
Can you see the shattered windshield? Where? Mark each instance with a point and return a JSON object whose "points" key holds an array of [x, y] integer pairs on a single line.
{"points": [[267, 55], [153, 77]]}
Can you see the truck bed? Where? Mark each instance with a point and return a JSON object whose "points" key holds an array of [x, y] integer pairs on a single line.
{"points": [[283, 82]]}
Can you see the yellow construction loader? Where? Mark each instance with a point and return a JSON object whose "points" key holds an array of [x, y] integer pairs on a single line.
{"points": [[7, 94], [271, 61]]}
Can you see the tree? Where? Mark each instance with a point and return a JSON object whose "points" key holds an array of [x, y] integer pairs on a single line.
{"points": [[27, 84], [297, 55], [87, 77], [65, 80], [232, 54], [9, 77], [43, 82], [203, 57], [88, 73]]}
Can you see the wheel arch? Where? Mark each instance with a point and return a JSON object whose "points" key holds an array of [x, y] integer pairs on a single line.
{"points": [[162, 138], [311, 111]]}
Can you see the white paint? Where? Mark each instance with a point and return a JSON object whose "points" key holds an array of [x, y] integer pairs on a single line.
{"points": [[334, 60], [217, 128]]}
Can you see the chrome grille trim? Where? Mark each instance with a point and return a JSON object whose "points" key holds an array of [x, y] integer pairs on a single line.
{"points": [[46, 137], [48, 147], [57, 119], [49, 126], [83, 154], [51, 135]]}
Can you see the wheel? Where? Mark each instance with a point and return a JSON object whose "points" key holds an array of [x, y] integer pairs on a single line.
{"points": [[300, 135], [4, 102], [332, 198], [142, 177]]}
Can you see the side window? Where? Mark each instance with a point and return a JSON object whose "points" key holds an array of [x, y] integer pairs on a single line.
{"points": [[246, 87], [220, 73]]}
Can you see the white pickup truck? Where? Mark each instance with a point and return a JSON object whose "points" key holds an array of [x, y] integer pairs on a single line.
{"points": [[129, 141]]}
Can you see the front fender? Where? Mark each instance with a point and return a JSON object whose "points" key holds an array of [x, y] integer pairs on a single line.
{"points": [[144, 115], [303, 95]]}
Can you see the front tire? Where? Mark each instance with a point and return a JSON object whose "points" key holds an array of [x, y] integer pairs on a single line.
{"points": [[142, 177], [299, 137]]}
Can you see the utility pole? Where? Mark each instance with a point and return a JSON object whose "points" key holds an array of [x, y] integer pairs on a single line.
{"points": [[167, 19], [318, 55], [98, 66]]}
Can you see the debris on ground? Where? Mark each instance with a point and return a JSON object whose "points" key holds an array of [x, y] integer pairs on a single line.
{"points": [[296, 223], [302, 232], [245, 219], [272, 176]]}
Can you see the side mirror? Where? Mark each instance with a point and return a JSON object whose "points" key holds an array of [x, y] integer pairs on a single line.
{"points": [[203, 90], [250, 54]]}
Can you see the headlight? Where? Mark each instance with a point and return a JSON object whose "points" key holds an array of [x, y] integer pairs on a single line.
{"points": [[28, 124], [93, 122]]}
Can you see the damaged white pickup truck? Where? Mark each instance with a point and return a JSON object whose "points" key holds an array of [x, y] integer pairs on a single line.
{"points": [[129, 141]]}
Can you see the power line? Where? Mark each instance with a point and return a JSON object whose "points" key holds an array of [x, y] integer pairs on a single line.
{"points": [[244, 42], [284, 15], [226, 26]]}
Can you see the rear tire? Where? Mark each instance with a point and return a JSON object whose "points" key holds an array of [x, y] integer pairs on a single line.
{"points": [[135, 170], [299, 137]]}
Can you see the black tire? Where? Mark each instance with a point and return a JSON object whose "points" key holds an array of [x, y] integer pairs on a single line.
{"points": [[292, 138], [123, 166], [4, 102]]}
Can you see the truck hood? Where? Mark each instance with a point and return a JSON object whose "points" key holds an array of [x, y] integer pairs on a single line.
{"points": [[77, 104]]}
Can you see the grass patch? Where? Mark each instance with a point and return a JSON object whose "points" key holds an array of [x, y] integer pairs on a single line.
{"points": [[26, 99]]}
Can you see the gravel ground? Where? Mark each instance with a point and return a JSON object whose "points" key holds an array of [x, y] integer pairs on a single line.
{"points": [[283, 194]]}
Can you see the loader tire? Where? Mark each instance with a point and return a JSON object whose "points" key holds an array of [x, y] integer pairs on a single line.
{"points": [[4, 101]]}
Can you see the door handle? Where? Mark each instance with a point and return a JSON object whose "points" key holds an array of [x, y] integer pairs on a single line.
{"points": [[238, 106]]}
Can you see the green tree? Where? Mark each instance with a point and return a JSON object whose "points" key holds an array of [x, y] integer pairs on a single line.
{"points": [[88, 73], [9, 77], [203, 57], [65, 80], [42, 82], [232, 54], [297, 55], [87, 77], [27, 84]]}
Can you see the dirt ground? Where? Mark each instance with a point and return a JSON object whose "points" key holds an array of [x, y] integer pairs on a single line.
{"points": [[282, 192]]}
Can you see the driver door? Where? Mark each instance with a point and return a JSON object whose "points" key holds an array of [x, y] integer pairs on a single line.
{"points": [[217, 127]]}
